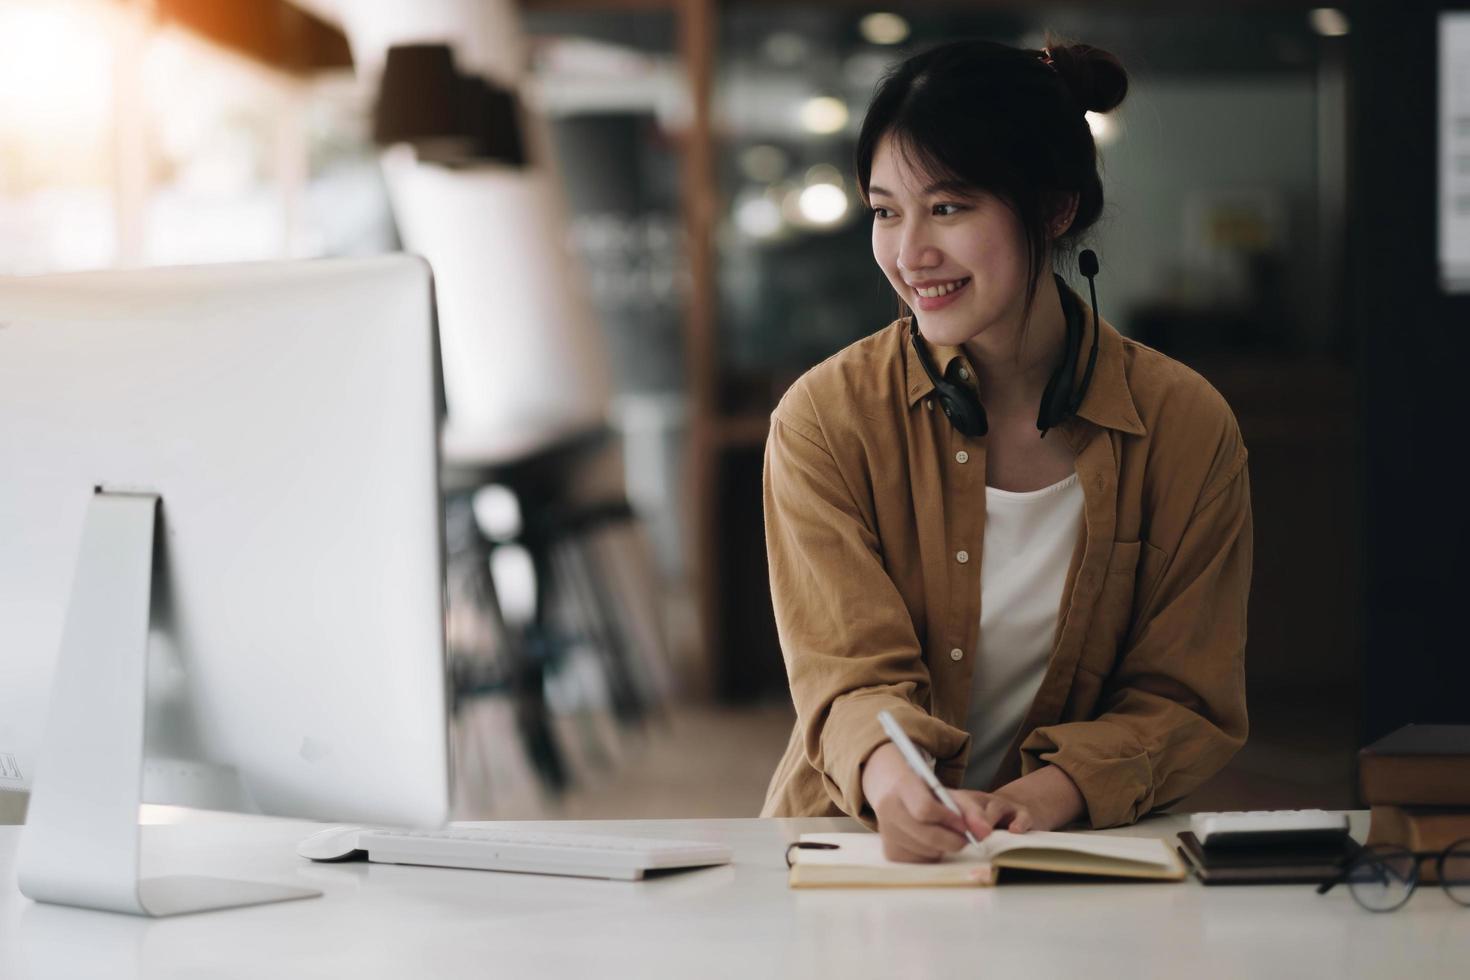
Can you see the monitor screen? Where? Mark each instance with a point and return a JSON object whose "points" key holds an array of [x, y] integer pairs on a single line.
{"points": [[285, 416]]}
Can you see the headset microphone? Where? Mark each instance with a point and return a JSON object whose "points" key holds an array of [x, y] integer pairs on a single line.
{"points": [[1059, 400], [1087, 265]]}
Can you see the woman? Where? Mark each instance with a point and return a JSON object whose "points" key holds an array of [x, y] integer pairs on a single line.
{"points": [[1058, 622]]}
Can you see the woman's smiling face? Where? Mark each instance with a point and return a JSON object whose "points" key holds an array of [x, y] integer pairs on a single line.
{"points": [[957, 256]]}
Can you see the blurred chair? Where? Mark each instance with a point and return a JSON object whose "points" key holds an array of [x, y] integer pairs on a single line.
{"points": [[590, 594], [472, 187]]}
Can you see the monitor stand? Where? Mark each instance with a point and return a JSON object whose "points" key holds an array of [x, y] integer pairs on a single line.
{"points": [[80, 845]]}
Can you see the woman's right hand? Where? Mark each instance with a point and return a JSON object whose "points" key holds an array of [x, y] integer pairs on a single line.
{"points": [[914, 825]]}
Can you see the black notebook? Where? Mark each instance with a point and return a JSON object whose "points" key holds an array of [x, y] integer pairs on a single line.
{"points": [[1266, 865]]}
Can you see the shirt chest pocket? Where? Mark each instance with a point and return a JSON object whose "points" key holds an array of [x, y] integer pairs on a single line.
{"points": [[1113, 613]]}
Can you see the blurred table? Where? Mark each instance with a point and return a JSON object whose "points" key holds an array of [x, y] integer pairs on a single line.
{"points": [[734, 921]]}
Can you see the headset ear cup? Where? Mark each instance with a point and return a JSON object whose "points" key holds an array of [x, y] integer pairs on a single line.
{"points": [[961, 406], [963, 409]]}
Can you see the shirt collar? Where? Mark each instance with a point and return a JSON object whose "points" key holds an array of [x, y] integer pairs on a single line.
{"points": [[1108, 401]]}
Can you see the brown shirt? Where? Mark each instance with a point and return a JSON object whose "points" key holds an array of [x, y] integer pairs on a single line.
{"points": [[875, 522]]}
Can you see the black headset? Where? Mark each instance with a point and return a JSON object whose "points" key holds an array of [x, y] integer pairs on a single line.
{"points": [[1058, 401]]}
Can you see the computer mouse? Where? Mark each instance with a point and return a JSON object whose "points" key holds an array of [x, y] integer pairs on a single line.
{"points": [[332, 844]]}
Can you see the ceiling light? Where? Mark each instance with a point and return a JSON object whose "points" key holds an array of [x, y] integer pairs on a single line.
{"points": [[823, 173], [764, 163], [823, 204], [884, 28], [823, 114], [786, 48], [758, 217], [1329, 22]]}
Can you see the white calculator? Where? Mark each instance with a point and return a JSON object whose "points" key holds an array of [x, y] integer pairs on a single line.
{"points": [[1268, 828]]}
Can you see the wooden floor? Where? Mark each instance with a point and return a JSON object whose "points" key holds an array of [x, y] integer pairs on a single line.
{"points": [[699, 761], [705, 761]]}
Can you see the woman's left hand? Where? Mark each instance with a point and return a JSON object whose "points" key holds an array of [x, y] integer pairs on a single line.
{"points": [[1041, 800], [1003, 813]]}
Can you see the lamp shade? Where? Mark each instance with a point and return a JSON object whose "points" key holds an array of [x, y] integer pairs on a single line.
{"points": [[419, 96], [450, 118], [492, 121]]}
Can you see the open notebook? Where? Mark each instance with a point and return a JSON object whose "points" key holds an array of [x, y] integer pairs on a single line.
{"points": [[858, 861]]}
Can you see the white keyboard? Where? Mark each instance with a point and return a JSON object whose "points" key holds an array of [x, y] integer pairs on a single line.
{"points": [[583, 855], [1244, 828]]}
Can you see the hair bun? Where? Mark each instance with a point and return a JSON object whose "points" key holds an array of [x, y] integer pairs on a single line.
{"points": [[1095, 77]]}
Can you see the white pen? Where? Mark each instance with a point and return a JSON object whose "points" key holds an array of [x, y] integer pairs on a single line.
{"points": [[916, 762]]}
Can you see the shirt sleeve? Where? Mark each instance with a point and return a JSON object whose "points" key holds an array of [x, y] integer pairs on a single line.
{"points": [[846, 635], [1172, 711]]}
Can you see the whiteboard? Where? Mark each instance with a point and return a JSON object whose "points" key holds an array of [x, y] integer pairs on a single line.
{"points": [[1454, 151]]}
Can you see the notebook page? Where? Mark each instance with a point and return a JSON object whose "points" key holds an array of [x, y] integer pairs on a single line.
{"points": [[1146, 850], [867, 850]]}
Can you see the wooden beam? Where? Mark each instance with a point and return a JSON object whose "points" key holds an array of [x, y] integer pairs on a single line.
{"points": [[275, 33], [697, 25]]}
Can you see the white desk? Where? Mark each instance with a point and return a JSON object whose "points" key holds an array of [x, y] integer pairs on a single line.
{"points": [[737, 921]]}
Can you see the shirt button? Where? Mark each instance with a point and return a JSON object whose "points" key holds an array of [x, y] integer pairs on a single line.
{"points": [[957, 654], [929, 404], [964, 374], [962, 556], [961, 457]]}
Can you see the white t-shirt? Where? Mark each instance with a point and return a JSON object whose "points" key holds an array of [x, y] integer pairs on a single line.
{"points": [[1029, 540]]}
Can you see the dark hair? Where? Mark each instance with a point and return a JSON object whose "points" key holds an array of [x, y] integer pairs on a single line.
{"points": [[1000, 119]]}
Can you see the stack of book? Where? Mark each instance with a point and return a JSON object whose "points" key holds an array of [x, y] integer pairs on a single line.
{"points": [[1261, 847], [1416, 782]]}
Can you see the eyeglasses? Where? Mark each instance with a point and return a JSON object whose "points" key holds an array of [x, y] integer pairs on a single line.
{"points": [[1382, 877]]}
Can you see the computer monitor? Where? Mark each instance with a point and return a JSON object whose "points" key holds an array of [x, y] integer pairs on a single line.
{"points": [[218, 486]]}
